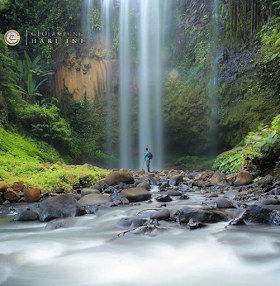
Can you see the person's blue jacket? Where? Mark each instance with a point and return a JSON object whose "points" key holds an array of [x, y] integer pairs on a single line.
{"points": [[147, 156]]}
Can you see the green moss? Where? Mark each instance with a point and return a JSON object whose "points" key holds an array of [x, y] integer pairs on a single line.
{"points": [[193, 163], [23, 159]]}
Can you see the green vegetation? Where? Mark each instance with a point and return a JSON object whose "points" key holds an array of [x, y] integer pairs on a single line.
{"points": [[193, 163], [23, 158], [261, 151]]}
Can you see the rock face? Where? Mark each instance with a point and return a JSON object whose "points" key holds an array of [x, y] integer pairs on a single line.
{"points": [[12, 196], [32, 195], [84, 74], [60, 207], [94, 200], [243, 178], [114, 178], [26, 215], [201, 215], [135, 194], [258, 214]]}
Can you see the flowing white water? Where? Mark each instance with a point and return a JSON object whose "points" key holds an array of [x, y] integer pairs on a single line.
{"points": [[150, 81], [125, 86], [106, 15], [86, 255]]}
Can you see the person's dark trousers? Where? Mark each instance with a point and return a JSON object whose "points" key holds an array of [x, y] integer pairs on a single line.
{"points": [[148, 165]]}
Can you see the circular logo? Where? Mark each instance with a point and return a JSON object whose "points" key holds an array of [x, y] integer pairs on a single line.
{"points": [[12, 37]]}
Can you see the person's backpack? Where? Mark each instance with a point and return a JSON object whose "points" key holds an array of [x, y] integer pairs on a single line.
{"points": [[150, 155]]}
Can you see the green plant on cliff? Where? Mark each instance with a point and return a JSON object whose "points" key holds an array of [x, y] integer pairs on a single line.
{"points": [[261, 150], [29, 74]]}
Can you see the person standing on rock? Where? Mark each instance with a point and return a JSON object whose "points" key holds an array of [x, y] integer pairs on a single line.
{"points": [[148, 157]]}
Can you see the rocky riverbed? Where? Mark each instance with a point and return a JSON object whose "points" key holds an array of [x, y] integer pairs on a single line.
{"points": [[134, 222]]}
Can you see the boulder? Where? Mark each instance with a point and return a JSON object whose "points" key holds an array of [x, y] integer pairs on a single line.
{"points": [[3, 187], [184, 197], [164, 199], [144, 185], [18, 186], [258, 214], [26, 215], [135, 194], [243, 178], [195, 224], [131, 222], [223, 203], [161, 214], [32, 195], [146, 229], [115, 178], [218, 179], [175, 180], [60, 223], [60, 207], [201, 215], [173, 193], [11, 195], [94, 200], [87, 191]]}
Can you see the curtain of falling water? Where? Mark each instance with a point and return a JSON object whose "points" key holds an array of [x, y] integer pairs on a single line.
{"points": [[86, 19], [106, 7], [125, 89], [150, 82]]}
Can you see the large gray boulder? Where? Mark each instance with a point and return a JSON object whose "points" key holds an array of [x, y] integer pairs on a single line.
{"points": [[223, 203], [175, 180], [94, 200], [161, 215], [115, 177], [259, 214], [131, 222], [135, 194], [26, 215], [201, 215], [60, 207]]}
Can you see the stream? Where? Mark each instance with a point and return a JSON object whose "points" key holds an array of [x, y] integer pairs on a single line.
{"points": [[86, 254]]}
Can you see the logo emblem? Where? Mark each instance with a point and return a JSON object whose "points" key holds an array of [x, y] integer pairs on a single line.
{"points": [[12, 37]]}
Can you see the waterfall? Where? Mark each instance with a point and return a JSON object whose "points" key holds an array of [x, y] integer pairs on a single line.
{"points": [[214, 81], [86, 19], [125, 86], [150, 80], [106, 14]]}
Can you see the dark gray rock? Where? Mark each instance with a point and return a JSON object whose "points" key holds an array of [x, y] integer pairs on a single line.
{"points": [[184, 197], [195, 224], [114, 178], [26, 215], [163, 214], [60, 223], [237, 221], [135, 194], [59, 207], [201, 215], [131, 222], [163, 199], [146, 229], [259, 214], [223, 203]]}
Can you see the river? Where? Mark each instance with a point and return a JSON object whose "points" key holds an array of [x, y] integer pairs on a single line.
{"points": [[86, 254]]}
